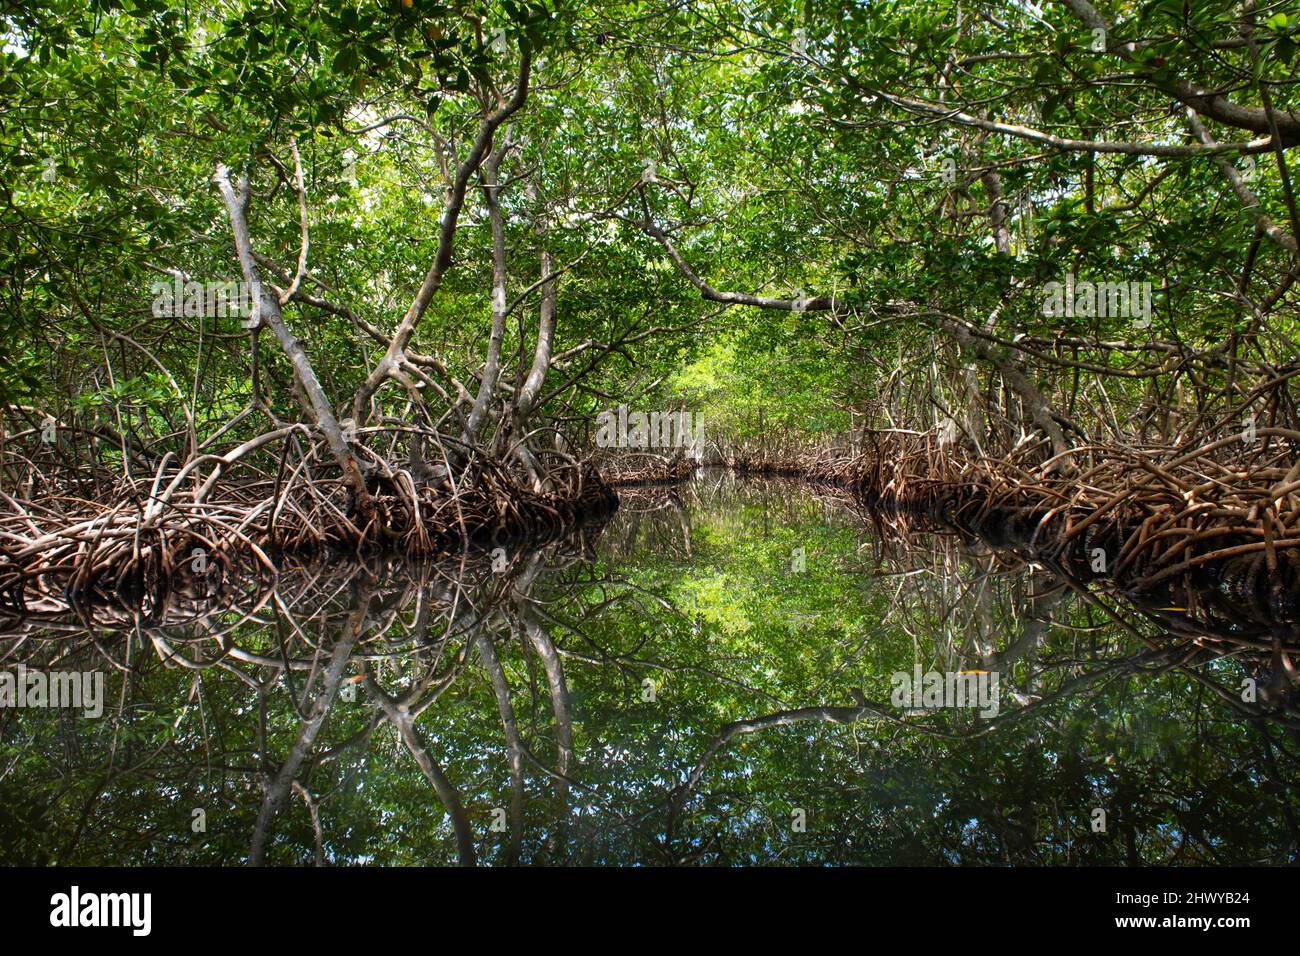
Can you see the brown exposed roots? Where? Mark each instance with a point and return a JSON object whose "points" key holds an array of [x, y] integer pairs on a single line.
{"points": [[827, 466], [188, 528], [1222, 516], [647, 469]]}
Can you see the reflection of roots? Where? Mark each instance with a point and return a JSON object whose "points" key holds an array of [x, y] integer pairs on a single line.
{"points": [[383, 638], [969, 594]]}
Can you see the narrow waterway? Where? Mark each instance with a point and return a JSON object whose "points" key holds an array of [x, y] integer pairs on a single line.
{"points": [[726, 672]]}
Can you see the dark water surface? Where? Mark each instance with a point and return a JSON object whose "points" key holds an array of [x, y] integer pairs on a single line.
{"points": [[705, 679]]}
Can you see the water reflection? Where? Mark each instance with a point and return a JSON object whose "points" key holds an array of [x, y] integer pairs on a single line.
{"points": [[706, 679]]}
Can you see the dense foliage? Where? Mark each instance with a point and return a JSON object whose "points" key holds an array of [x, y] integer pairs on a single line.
{"points": [[892, 166]]}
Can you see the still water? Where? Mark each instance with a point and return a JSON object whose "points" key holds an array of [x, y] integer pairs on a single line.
{"points": [[724, 673]]}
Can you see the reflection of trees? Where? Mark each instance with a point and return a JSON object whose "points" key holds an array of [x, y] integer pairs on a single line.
{"points": [[403, 635], [997, 606], [488, 690], [967, 605]]}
